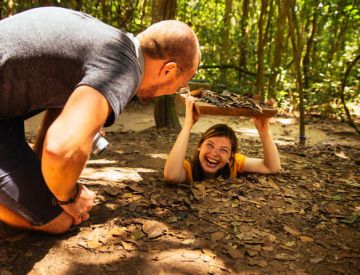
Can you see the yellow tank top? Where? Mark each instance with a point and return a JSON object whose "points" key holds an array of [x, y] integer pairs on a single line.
{"points": [[236, 166]]}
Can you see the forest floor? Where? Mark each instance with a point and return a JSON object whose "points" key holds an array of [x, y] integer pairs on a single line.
{"points": [[304, 220]]}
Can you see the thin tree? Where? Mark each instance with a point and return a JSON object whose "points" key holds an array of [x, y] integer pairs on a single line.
{"points": [[278, 48], [309, 45], [244, 37], [259, 86], [164, 109], [296, 42], [224, 54], [342, 96]]}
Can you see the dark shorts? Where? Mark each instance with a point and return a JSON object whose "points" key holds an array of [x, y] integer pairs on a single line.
{"points": [[22, 186]]}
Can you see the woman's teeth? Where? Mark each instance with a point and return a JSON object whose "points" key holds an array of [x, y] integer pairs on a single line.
{"points": [[212, 162]]}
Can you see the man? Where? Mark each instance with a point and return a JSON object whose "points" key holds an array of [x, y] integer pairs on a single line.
{"points": [[82, 72]]}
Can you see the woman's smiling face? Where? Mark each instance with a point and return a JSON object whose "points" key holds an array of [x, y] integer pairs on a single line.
{"points": [[214, 153]]}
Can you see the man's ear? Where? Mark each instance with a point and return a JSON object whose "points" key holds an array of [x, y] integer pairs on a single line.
{"points": [[169, 70]]}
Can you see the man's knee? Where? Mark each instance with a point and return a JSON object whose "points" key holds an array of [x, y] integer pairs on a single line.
{"points": [[13, 219]]}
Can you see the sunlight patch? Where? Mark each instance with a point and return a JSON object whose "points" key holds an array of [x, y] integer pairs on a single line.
{"points": [[284, 141], [249, 132], [158, 156], [194, 258], [115, 174], [286, 121], [101, 161]]}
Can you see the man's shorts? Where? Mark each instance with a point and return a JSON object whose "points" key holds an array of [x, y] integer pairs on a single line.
{"points": [[22, 186]]}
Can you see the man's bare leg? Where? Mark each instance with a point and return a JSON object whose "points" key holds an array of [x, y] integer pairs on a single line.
{"points": [[59, 225]]}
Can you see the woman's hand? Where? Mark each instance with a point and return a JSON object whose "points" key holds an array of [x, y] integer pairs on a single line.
{"points": [[261, 124], [192, 113], [79, 210]]}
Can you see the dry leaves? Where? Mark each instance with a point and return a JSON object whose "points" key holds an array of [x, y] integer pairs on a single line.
{"points": [[154, 229]]}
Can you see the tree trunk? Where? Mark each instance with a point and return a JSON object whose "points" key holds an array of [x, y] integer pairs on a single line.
{"points": [[336, 40], [268, 31], [259, 86], [10, 8], [164, 109], [281, 20], [77, 5], [163, 10], [143, 13], [296, 42], [309, 43], [224, 54], [243, 43], [342, 97]]}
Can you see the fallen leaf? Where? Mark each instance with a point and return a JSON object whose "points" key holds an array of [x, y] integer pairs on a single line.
{"points": [[154, 229], [217, 236], [208, 252], [93, 244], [258, 262], [127, 195], [287, 257], [306, 239], [188, 241], [342, 155], [235, 253], [337, 197], [273, 185], [17, 237], [267, 248], [136, 188], [293, 232], [271, 237], [137, 235], [118, 231], [317, 260], [128, 246], [210, 229], [112, 191], [290, 244], [350, 220]]}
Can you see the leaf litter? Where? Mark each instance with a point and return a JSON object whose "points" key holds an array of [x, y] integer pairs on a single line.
{"points": [[303, 220]]}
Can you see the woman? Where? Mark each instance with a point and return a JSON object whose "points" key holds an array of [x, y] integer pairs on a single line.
{"points": [[216, 154]]}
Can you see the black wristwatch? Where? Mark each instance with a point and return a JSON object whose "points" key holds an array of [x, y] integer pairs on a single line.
{"points": [[55, 201]]}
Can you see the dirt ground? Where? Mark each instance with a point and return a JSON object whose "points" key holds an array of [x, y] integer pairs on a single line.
{"points": [[304, 220]]}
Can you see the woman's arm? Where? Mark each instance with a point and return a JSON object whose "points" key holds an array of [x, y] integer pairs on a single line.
{"points": [[271, 162], [174, 166]]}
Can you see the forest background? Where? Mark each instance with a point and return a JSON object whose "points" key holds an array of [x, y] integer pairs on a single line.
{"points": [[303, 53], [304, 220]]}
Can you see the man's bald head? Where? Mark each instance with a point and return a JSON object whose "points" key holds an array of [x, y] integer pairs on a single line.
{"points": [[171, 40]]}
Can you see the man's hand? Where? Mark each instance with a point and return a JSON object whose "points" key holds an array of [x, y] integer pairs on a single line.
{"points": [[79, 210]]}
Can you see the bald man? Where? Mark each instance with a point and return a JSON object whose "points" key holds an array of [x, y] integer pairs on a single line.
{"points": [[81, 73]]}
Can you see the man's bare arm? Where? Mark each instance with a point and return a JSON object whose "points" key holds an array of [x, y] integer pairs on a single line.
{"points": [[49, 117], [67, 146]]}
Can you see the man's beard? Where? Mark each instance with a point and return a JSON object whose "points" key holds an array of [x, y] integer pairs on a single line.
{"points": [[147, 94], [153, 91]]}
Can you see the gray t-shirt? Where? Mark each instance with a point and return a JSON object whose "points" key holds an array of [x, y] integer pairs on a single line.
{"points": [[45, 53]]}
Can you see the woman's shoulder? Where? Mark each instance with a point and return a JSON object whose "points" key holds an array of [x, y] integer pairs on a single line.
{"points": [[239, 162]]}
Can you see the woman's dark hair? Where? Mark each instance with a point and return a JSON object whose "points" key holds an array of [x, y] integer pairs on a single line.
{"points": [[217, 130]]}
